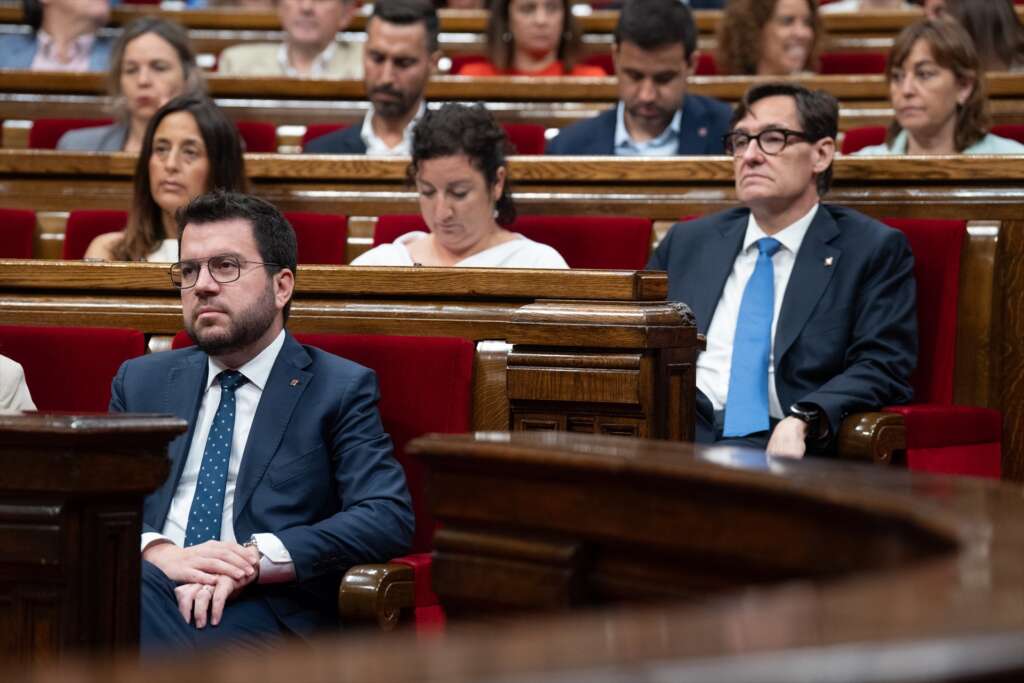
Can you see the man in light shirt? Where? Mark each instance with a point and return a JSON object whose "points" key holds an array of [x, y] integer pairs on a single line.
{"points": [[285, 477], [809, 309], [310, 48], [400, 54], [64, 37]]}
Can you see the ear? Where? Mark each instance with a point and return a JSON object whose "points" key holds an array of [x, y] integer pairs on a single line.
{"points": [[499, 184], [435, 57], [824, 153], [284, 286], [965, 88], [348, 10]]}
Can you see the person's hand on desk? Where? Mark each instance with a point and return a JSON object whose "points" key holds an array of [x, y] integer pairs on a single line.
{"points": [[788, 439], [204, 563]]}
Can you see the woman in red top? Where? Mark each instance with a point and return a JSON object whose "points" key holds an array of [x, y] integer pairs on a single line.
{"points": [[531, 38]]}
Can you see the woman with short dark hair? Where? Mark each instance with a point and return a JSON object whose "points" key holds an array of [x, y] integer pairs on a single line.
{"points": [[459, 170], [938, 93], [190, 148], [153, 61]]}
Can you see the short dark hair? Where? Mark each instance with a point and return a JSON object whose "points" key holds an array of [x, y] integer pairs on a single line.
{"points": [[404, 12], [273, 234], [651, 24], [465, 129], [817, 110]]}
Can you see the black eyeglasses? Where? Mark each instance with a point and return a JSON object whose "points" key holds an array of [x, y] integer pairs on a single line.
{"points": [[770, 140], [224, 268]]}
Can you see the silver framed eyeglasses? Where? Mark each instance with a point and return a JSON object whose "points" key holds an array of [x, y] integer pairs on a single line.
{"points": [[771, 140], [223, 268]]}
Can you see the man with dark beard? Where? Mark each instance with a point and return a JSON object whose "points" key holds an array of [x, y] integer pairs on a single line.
{"points": [[400, 54], [654, 55], [285, 477]]}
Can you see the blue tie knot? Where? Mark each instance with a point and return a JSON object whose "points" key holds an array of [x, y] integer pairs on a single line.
{"points": [[768, 246], [230, 380]]}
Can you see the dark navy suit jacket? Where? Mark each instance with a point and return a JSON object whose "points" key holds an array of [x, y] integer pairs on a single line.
{"points": [[846, 338], [317, 469], [702, 126], [344, 141]]}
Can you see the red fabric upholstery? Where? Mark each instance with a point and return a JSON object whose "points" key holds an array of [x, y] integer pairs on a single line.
{"points": [[425, 386], [583, 241], [84, 226], [459, 61], [942, 437], [1014, 131], [526, 138], [706, 64], [859, 138], [258, 136], [603, 60], [19, 230], [852, 63], [70, 368], [316, 130], [45, 133], [321, 237]]}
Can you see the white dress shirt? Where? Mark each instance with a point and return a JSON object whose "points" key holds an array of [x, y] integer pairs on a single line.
{"points": [[715, 363], [376, 146], [276, 564]]}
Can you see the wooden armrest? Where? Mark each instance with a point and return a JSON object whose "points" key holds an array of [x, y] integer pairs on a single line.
{"points": [[376, 592], [872, 437]]}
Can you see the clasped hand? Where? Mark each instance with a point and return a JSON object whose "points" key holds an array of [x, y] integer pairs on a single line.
{"points": [[209, 575]]}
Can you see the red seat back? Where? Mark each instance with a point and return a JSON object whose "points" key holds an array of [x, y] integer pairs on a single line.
{"points": [[937, 246], [321, 237], [459, 61], [852, 63], [18, 232], [858, 138], [45, 133], [85, 226], [706, 64], [316, 130], [583, 241], [426, 385], [526, 138], [70, 368], [1014, 131], [259, 137]]}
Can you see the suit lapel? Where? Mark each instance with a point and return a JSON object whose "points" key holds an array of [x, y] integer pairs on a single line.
{"points": [[285, 385], [815, 264], [183, 392], [713, 268]]}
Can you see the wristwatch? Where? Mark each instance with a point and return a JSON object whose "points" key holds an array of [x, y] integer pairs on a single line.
{"points": [[811, 415], [251, 543]]}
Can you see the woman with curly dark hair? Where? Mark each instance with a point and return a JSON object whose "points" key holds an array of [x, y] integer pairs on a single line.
{"points": [[531, 38], [190, 148], [769, 37], [459, 171]]}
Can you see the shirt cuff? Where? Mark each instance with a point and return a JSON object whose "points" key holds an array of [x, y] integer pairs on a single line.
{"points": [[151, 537], [276, 564]]}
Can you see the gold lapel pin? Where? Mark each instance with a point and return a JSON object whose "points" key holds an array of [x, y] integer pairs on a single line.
{"points": [[295, 382], [828, 261]]}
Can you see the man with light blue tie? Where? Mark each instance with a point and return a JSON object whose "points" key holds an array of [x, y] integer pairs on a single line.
{"points": [[809, 309], [285, 477]]}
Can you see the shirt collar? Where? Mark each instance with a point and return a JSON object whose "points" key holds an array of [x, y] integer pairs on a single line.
{"points": [[320, 64], [374, 145], [791, 236], [79, 46], [622, 136], [257, 370]]}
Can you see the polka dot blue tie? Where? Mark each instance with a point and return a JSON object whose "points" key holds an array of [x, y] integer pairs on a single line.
{"points": [[204, 518]]}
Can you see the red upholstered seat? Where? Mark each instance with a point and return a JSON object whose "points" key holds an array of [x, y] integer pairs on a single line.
{"points": [[70, 368], [84, 226], [583, 241], [45, 133], [321, 237], [706, 64], [459, 61], [17, 231], [1014, 131], [852, 63], [425, 386], [316, 130], [942, 437], [526, 138], [259, 137], [859, 138]]}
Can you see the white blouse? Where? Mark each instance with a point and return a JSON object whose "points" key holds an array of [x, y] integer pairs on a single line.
{"points": [[517, 253]]}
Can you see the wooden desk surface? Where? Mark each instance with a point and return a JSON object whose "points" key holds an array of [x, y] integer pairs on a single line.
{"points": [[954, 613]]}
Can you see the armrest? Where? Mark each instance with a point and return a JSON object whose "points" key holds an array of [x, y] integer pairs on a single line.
{"points": [[872, 437], [376, 592]]}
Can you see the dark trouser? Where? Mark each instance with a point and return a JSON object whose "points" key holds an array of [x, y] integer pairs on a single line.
{"points": [[709, 428], [247, 621]]}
